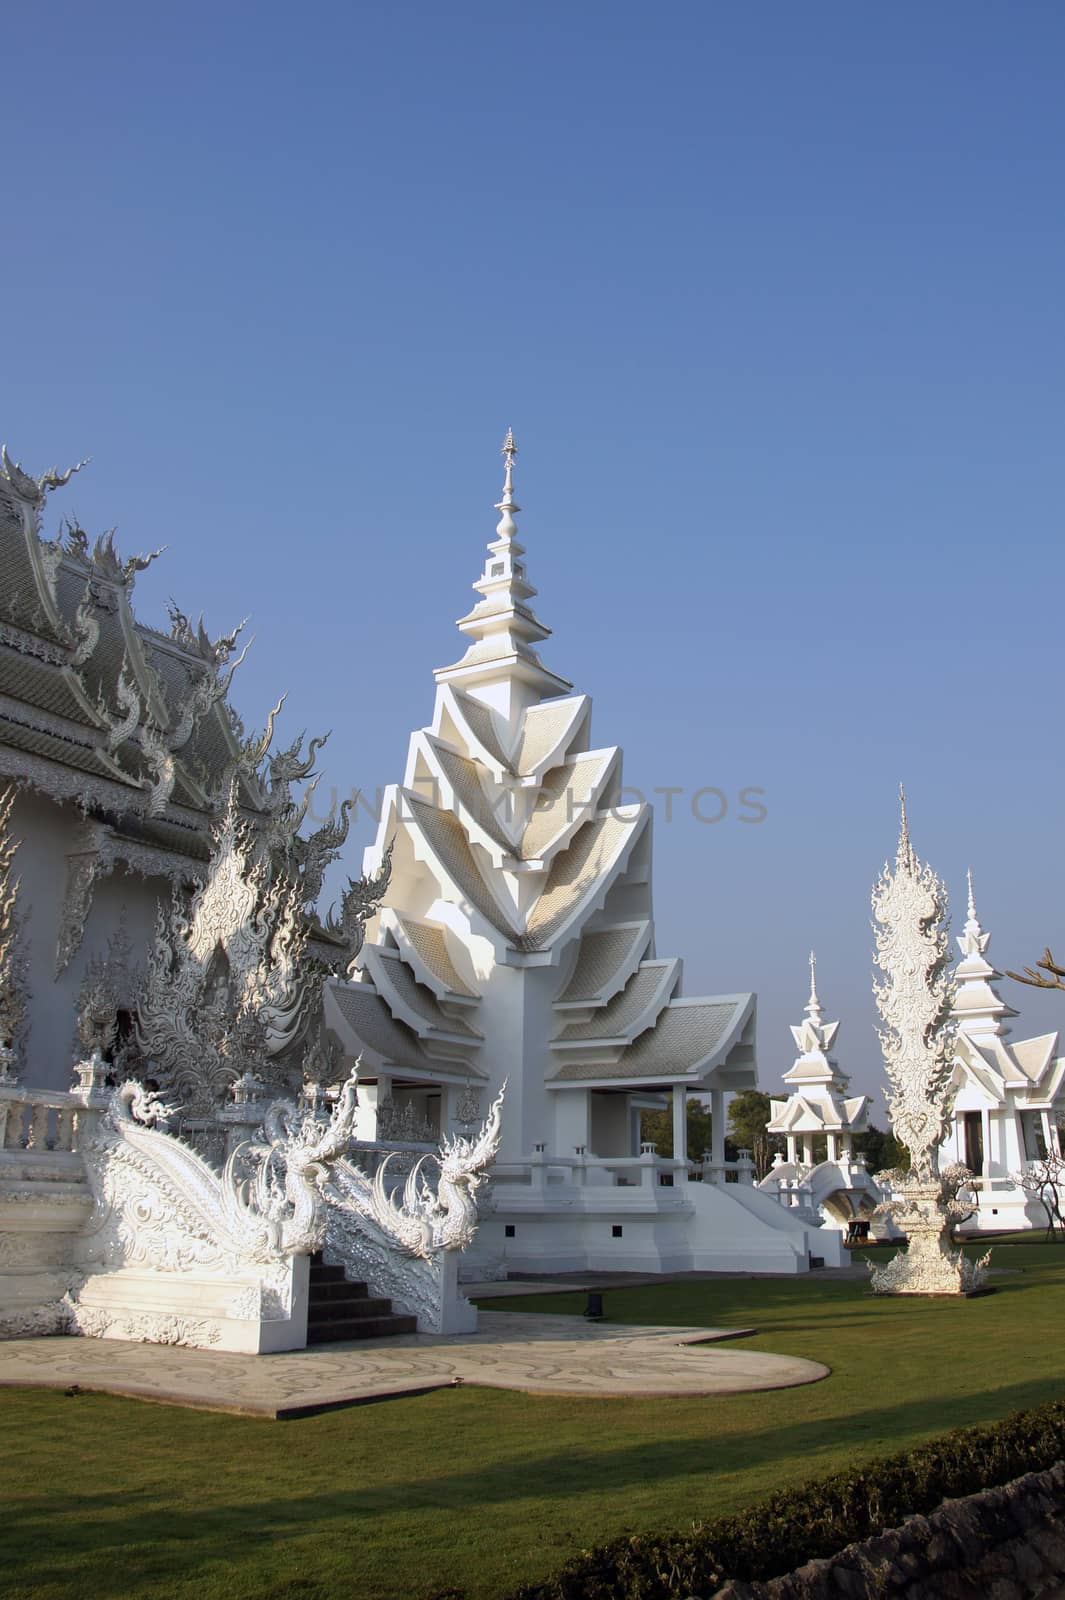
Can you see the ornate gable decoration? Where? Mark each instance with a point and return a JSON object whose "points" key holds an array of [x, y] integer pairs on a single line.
{"points": [[228, 988]]}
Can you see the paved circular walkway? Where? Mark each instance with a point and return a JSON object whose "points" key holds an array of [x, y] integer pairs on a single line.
{"points": [[510, 1350]]}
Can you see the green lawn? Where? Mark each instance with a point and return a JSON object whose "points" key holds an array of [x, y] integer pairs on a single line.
{"points": [[474, 1490]]}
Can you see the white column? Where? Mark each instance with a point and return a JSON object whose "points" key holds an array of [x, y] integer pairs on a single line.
{"points": [[680, 1122], [793, 1148], [848, 1143], [1048, 1138], [808, 1149], [717, 1131], [832, 1147], [985, 1123]]}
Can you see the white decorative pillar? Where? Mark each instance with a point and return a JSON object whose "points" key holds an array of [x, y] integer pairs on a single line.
{"points": [[793, 1149], [915, 997]]}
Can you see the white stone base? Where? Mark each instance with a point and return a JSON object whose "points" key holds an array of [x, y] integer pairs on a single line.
{"points": [[692, 1227], [1011, 1211], [181, 1308]]}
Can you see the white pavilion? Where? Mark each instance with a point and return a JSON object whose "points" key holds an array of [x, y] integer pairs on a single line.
{"points": [[1009, 1095], [516, 943], [818, 1106], [832, 1187]]}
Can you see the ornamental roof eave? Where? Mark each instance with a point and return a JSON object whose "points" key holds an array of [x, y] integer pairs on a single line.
{"points": [[703, 1041], [575, 789], [606, 958], [604, 846], [414, 1004], [527, 668], [83, 630], [438, 840], [363, 1023], [633, 1009], [424, 946], [547, 732]]}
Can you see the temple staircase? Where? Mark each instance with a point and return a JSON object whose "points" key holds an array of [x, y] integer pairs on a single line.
{"points": [[339, 1309]]}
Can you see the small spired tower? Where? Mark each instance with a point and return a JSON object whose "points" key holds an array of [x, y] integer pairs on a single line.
{"points": [[818, 1105], [1008, 1093], [978, 1010]]}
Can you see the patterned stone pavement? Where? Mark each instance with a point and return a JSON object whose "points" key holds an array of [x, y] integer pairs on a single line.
{"points": [[537, 1354]]}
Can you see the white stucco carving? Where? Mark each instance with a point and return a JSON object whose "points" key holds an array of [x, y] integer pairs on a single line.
{"points": [[225, 988], [915, 998], [13, 970], [407, 1248]]}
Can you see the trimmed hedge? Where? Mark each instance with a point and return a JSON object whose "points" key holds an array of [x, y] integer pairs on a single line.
{"points": [[797, 1525]]}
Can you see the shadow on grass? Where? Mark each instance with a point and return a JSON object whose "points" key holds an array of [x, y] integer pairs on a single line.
{"points": [[149, 1537]]}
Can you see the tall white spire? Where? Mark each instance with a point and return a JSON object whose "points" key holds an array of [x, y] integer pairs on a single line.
{"points": [[813, 1005], [978, 1007], [501, 667], [905, 855], [507, 528], [815, 1038]]}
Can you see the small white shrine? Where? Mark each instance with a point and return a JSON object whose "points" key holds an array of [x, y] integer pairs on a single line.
{"points": [[836, 1188], [1009, 1094], [515, 942]]}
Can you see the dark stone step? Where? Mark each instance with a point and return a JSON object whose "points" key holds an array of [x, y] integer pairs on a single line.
{"points": [[342, 1289], [361, 1328], [349, 1310], [320, 1273]]}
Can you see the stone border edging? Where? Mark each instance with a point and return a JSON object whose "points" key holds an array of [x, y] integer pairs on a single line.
{"points": [[1007, 1541]]}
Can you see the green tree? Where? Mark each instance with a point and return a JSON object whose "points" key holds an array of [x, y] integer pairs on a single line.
{"points": [[748, 1114], [656, 1127], [882, 1151]]}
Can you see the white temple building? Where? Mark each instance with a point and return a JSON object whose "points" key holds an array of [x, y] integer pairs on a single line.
{"points": [[1009, 1095], [818, 1106], [516, 943], [820, 1177]]}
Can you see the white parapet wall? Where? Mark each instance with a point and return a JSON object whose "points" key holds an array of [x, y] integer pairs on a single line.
{"points": [[644, 1214]]}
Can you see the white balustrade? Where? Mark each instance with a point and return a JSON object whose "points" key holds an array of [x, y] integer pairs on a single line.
{"points": [[39, 1119]]}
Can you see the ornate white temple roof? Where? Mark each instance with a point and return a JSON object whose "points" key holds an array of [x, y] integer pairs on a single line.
{"points": [[512, 851], [692, 1039], [818, 1102]]}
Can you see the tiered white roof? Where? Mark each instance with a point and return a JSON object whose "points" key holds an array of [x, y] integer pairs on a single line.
{"points": [[818, 1102], [520, 897], [1026, 1071]]}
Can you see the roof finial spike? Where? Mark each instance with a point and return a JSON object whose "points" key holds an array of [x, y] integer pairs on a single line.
{"points": [[972, 902], [507, 528], [813, 1005], [508, 452], [905, 856]]}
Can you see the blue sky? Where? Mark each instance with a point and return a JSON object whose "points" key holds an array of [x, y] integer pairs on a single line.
{"points": [[771, 295]]}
